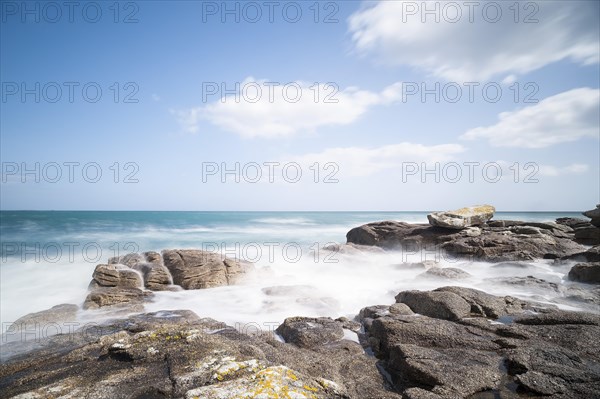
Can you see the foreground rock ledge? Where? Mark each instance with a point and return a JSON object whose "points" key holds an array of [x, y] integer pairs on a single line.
{"points": [[451, 342], [176, 354]]}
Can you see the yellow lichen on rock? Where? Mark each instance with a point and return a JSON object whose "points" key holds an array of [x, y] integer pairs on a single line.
{"points": [[275, 382]]}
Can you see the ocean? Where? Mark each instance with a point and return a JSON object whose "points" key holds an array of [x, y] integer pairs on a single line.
{"points": [[47, 258]]}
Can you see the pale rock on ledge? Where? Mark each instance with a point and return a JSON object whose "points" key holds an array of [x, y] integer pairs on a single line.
{"points": [[463, 217]]}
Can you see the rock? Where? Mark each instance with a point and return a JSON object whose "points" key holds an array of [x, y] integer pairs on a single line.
{"points": [[374, 312], [586, 273], [400, 309], [558, 317], [196, 269], [156, 276], [508, 265], [108, 296], [573, 223], [486, 305], [346, 249], [585, 232], [450, 273], [462, 218], [307, 332], [116, 275], [440, 305], [497, 242], [548, 369], [291, 290], [425, 265], [56, 314], [591, 255], [438, 369], [130, 259], [45, 323], [539, 383], [530, 283], [556, 352], [271, 382], [588, 235], [172, 354], [594, 214]]}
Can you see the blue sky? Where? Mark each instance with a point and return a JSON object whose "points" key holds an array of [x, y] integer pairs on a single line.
{"points": [[369, 141]]}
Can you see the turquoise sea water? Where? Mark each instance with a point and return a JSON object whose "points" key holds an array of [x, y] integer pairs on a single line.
{"points": [[47, 258], [159, 230]]}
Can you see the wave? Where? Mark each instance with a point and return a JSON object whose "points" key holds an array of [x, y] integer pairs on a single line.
{"points": [[286, 221]]}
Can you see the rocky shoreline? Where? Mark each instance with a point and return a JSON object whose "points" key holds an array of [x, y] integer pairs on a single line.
{"points": [[449, 342]]}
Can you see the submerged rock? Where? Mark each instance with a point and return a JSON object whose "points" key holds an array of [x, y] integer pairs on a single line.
{"points": [[450, 273], [462, 218]]}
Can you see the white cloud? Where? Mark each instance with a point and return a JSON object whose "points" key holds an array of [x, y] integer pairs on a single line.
{"points": [[279, 111], [565, 117], [359, 161], [554, 171], [477, 50]]}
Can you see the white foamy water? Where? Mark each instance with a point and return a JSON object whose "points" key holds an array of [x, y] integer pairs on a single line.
{"points": [[316, 284]]}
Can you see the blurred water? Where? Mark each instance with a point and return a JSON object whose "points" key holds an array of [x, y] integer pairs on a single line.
{"points": [[47, 258]]}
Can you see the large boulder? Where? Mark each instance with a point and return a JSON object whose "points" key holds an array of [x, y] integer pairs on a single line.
{"points": [[462, 218], [495, 242], [196, 269]]}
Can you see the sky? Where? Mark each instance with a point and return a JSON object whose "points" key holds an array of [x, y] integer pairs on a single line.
{"points": [[299, 106]]}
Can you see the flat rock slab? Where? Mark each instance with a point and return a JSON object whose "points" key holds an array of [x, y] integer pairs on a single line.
{"points": [[462, 218]]}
